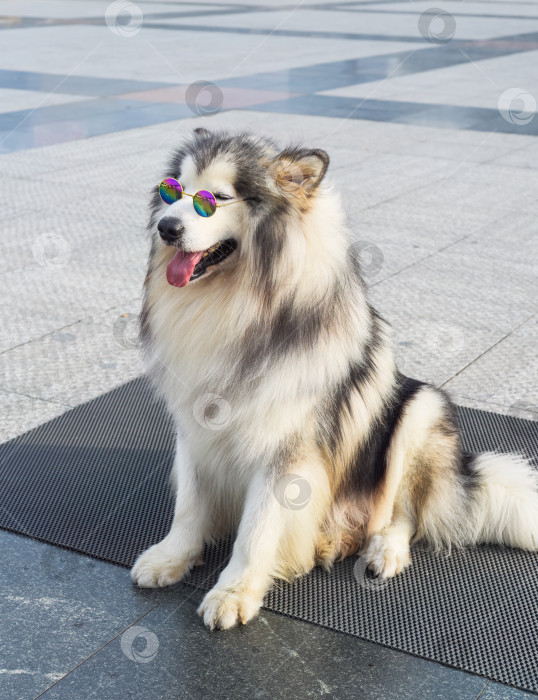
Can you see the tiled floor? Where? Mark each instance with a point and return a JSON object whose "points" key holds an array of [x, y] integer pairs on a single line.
{"points": [[76, 628], [429, 118]]}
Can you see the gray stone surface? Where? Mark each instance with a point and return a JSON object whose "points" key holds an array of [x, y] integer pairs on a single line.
{"points": [[94, 354], [70, 619], [34, 410], [496, 691], [58, 608], [472, 84], [506, 374]]}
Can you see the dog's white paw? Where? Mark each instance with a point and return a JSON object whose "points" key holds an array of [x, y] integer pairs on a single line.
{"points": [[224, 608], [387, 555], [159, 566]]}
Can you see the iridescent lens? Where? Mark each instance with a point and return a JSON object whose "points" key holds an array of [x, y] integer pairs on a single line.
{"points": [[204, 203], [170, 190]]}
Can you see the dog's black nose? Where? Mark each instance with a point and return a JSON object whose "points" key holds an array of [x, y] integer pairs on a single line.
{"points": [[170, 229]]}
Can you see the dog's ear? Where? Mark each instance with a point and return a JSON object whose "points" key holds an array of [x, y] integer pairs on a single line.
{"points": [[298, 171], [200, 131]]}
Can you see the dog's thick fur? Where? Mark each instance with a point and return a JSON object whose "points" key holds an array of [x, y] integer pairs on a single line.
{"points": [[294, 425]]}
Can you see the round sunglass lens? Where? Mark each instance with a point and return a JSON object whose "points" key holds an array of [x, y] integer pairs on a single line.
{"points": [[204, 203], [170, 190]]}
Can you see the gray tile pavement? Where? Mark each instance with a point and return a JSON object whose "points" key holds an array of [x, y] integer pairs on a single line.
{"points": [[68, 619]]}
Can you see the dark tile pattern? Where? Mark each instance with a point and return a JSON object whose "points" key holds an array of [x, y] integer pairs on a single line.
{"points": [[339, 74], [68, 122], [401, 112], [71, 84], [295, 33], [28, 128]]}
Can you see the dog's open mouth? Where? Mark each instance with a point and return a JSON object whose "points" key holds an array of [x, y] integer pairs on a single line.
{"points": [[185, 267]]}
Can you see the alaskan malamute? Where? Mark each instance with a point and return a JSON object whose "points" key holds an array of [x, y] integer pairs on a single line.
{"points": [[294, 427]]}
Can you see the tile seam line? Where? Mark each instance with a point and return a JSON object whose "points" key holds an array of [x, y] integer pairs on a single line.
{"points": [[504, 337], [457, 397], [416, 189], [232, 109], [290, 33], [435, 252], [31, 22], [39, 22], [36, 398], [68, 325], [420, 260], [483, 690], [141, 106], [463, 15], [97, 651]]}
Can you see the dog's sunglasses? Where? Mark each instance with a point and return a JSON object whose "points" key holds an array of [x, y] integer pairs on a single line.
{"points": [[204, 202]]}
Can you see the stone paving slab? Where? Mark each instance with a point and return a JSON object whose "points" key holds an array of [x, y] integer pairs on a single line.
{"points": [[69, 618]]}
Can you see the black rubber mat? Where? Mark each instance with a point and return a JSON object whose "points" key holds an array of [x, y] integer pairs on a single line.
{"points": [[95, 480]]}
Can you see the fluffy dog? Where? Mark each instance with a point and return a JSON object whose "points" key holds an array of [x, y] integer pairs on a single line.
{"points": [[294, 426]]}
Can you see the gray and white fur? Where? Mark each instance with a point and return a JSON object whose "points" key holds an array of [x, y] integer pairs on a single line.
{"points": [[279, 374]]}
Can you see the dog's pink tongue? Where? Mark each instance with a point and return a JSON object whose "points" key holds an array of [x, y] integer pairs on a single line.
{"points": [[179, 269]]}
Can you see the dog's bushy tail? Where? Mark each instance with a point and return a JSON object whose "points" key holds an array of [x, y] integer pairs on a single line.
{"points": [[493, 498], [502, 506]]}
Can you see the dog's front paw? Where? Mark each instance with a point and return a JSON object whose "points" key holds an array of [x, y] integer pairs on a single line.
{"points": [[160, 566], [387, 555], [224, 608]]}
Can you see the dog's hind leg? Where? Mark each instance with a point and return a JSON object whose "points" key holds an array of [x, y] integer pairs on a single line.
{"points": [[419, 455], [392, 524], [388, 551], [434, 492], [170, 559]]}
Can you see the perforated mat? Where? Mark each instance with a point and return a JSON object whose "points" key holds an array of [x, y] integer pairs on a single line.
{"points": [[95, 480]]}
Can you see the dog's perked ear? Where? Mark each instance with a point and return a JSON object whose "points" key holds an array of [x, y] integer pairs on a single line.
{"points": [[298, 171]]}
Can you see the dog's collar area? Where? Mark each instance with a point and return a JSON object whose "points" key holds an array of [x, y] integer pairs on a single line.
{"points": [[214, 256]]}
